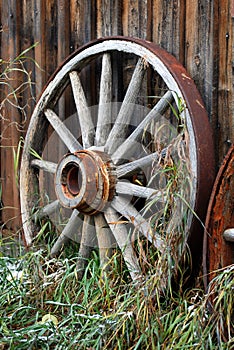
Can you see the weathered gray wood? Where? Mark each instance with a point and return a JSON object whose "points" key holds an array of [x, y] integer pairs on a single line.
{"points": [[63, 29], [167, 25], [47, 210], [65, 135], [124, 242], [86, 244], [122, 206], [138, 191], [109, 22], [136, 165], [125, 150], [82, 22], [104, 238], [44, 165], [109, 18], [118, 132], [69, 231], [10, 116], [135, 18], [104, 107], [225, 82], [84, 115], [209, 60]]}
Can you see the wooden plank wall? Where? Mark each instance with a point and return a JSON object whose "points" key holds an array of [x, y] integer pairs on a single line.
{"points": [[198, 32]]}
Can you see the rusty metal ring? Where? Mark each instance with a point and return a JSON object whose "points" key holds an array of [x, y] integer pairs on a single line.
{"points": [[218, 250]]}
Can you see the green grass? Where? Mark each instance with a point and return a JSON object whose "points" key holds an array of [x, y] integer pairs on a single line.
{"points": [[43, 305]]}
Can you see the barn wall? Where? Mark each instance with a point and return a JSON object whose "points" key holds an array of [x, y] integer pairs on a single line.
{"points": [[198, 32]]}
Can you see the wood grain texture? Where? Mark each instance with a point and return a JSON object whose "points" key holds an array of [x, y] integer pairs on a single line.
{"points": [[168, 26], [208, 58], [10, 116], [225, 110], [109, 17], [198, 33]]}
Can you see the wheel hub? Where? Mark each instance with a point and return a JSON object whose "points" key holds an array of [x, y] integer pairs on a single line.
{"points": [[85, 180]]}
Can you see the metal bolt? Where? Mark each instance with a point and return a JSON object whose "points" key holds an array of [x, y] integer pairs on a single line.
{"points": [[228, 235]]}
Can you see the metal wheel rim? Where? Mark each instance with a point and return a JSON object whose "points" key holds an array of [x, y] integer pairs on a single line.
{"points": [[218, 249]]}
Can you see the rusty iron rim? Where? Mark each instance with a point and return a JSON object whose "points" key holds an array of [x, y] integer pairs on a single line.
{"points": [[218, 251]]}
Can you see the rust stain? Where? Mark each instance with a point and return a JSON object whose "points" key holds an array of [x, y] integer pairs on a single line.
{"points": [[218, 253]]}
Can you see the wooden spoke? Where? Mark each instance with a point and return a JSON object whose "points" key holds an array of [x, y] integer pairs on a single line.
{"points": [[84, 115], [125, 150], [123, 187], [120, 127], [68, 232], [122, 206], [86, 244], [124, 242], [65, 135], [47, 210], [104, 238], [137, 165], [45, 165], [104, 108]]}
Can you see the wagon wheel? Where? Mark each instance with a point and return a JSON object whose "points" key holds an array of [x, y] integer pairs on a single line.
{"points": [[131, 168], [218, 251]]}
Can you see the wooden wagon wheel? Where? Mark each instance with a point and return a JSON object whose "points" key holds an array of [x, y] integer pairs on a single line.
{"points": [[134, 168], [218, 251]]}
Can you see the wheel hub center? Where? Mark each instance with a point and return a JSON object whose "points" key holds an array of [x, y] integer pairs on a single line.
{"points": [[85, 180]]}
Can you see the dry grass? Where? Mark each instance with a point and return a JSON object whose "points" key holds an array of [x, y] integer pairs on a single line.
{"points": [[43, 305]]}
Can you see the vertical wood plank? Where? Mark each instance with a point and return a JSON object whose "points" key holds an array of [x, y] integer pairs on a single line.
{"points": [[83, 22], [10, 116], [27, 41], [168, 26], [135, 14], [38, 33], [208, 60], [83, 30], [63, 50], [51, 36], [63, 29], [225, 83], [201, 53], [109, 18], [109, 22], [134, 20], [45, 32], [201, 49]]}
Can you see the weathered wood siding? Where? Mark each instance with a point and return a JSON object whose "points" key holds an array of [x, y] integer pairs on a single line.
{"points": [[198, 32]]}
